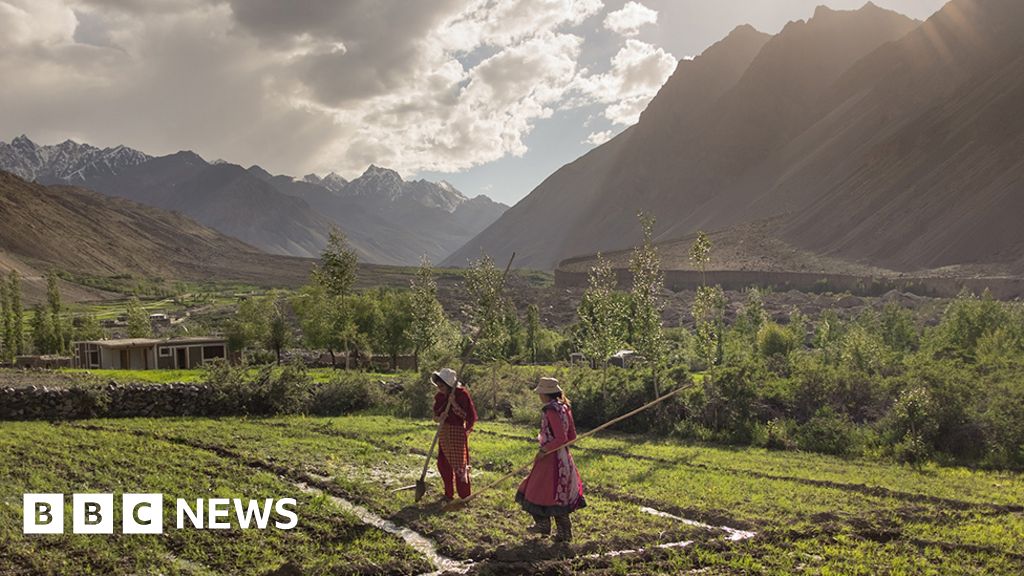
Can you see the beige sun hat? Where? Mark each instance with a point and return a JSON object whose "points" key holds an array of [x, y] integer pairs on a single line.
{"points": [[548, 386], [448, 376]]}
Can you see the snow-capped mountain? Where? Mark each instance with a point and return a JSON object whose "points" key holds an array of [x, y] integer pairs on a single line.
{"points": [[66, 163], [332, 181], [387, 220], [383, 184]]}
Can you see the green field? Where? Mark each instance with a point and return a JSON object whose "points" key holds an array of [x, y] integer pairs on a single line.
{"points": [[810, 514]]}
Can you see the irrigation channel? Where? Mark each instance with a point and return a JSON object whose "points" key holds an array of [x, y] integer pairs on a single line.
{"points": [[315, 483]]}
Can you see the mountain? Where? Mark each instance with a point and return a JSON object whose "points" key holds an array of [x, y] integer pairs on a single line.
{"points": [[398, 220], [754, 128], [225, 197], [939, 182], [66, 163], [86, 233], [386, 219]]}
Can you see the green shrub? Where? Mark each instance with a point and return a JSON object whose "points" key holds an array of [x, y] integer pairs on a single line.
{"points": [[774, 341], [347, 392], [827, 432]]}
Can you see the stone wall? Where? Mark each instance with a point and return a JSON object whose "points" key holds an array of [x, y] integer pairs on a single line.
{"points": [[110, 401], [934, 287]]}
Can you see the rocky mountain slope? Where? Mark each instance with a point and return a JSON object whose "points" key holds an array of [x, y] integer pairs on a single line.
{"points": [[860, 136], [87, 233], [387, 220]]}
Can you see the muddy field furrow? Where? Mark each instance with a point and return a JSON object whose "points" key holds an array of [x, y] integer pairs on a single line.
{"points": [[877, 491]]}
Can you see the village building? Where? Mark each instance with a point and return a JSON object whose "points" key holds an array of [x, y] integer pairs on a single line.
{"points": [[149, 353]]}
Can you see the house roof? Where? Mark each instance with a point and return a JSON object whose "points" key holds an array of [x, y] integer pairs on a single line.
{"points": [[146, 342], [124, 342]]}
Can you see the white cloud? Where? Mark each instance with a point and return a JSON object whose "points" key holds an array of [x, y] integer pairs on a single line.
{"points": [[628, 20], [598, 138], [637, 72], [35, 22], [317, 86]]}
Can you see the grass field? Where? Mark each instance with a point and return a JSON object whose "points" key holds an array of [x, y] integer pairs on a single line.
{"points": [[811, 514]]}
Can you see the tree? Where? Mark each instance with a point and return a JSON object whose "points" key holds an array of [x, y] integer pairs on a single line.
{"points": [[56, 307], [277, 334], [488, 309], [18, 313], [337, 268], [700, 255], [86, 328], [602, 315], [533, 330], [138, 320], [648, 283], [251, 323], [42, 330], [8, 349], [393, 334], [428, 319], [323, 319]]}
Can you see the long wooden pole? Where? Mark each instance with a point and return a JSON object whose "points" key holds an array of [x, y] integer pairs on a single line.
{"points": [[459, 503]]}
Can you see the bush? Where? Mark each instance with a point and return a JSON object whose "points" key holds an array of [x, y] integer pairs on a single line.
{"points": [[827, 432], [774, 341], [347, 392]]}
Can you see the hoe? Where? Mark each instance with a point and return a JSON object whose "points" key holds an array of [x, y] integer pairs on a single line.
{"points": [[421, 484]]}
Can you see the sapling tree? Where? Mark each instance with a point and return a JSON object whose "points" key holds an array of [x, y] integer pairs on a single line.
{"points": [[336, 273], [532, 331], [428, 322], [602, 317], [488, 309], [648, 283]]}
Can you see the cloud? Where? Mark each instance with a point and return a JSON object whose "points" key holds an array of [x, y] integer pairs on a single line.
{"points": [[598, 138], [628, 20], [314, 86], [637, 72]]}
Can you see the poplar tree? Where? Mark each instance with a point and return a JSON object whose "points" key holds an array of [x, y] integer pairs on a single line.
{"points": [[56, 308], [532, 331], [488, 308], [428, 320], [602, 315], [7, 345], [17, 312], [648, 283], [336, 273]]}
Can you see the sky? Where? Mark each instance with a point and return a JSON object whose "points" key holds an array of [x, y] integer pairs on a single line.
{"points": [[490, 95]]}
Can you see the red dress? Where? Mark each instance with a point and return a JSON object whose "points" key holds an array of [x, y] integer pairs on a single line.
{"points": [[554, 487], [453, 441]]}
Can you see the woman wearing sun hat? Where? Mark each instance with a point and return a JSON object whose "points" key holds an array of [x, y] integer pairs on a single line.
{"points": [[453, 438], [554, 488]]}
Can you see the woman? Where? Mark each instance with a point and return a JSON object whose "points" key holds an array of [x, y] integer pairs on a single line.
{"points": [[459, 416], [553, 489]]}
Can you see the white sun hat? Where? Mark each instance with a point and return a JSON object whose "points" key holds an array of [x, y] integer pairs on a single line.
{"points": [[448, 376]]}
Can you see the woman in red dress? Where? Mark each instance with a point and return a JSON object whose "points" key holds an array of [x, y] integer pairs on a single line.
{"points": [[554, 488], [453, 437]]}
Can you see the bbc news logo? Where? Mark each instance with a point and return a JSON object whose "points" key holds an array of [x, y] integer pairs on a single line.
{"points": [[144, 513]]}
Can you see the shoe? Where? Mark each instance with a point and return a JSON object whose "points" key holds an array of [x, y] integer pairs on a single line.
{"points": [[564, 525], [539, 530]]}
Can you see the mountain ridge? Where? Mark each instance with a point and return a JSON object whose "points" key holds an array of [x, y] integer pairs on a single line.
{"points": [[388, 220], [862, 136]]}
